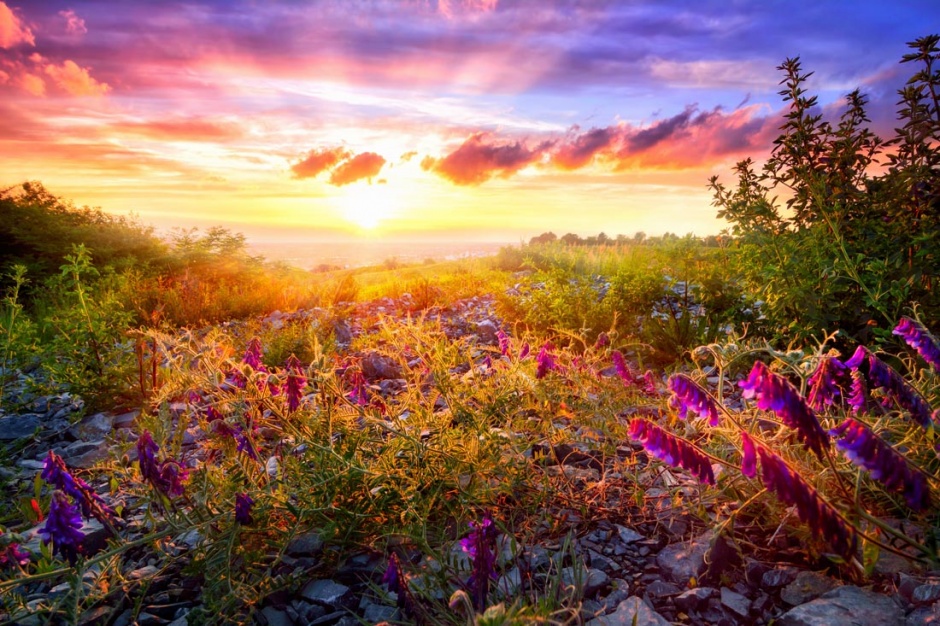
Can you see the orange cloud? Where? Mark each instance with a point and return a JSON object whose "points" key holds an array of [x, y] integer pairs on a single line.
{"points": [[476, 161], [363, 165], [74, 25], [579, 151], [181, 130], [12, 30], [75, 80], [318, 161]]}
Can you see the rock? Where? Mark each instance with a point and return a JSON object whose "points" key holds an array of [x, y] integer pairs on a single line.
{"points": [[326, 592], [342, 333], [307, 544], [628, 535], [18, 426], [276, 617], [376, 366], [738, 604], [693, 599], [125, 420], [92, 427], [591, 580], [778, 577], [754, 572], [84, 454], [926, 594], [486, 331], [845, 605], [377, 613], [924, 616], [661, 589], [684, 560], [807, 586], [631, 612]]}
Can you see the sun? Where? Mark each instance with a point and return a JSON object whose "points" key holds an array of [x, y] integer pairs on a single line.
{"points": [[367, 205]]}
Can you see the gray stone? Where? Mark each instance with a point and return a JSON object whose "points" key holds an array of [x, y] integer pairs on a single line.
{"points": [[924, 616], [778, 577], [487, 330], [510, 583], [84, 454], [305, 545], [628, 535], [806, 587], [845, 605], [631, 612], [591, 580], [18, 426], [377, 367], [926, 594], [92, 427], [376, 613], [693, 599], [276, 617], [684, 560], [735, 602], [661, 589], [125, 420], [328, 592]]}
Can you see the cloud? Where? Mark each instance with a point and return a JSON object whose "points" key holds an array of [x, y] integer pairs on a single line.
{"points": [[75, 80], [660, 131], [363, 165], [74, 25], [12, 30], [318, 161], [196, 129], [580, 150], [477, 160]]}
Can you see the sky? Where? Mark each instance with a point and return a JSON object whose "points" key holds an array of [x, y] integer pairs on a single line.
{"points": [[483, 120]]}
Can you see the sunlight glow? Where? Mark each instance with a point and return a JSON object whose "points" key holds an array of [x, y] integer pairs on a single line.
{"points": [[367, 205]]}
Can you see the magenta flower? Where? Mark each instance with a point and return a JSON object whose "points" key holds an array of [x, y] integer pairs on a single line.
{"points": [[524, 351], [503, 339], [253, 356], [56, 473], [672, 450], [748, 456], [359, 395], [395, 581], [688, 396], [480, 546], [546, 361], [824, 383], [244, 444], [858, 399], [879, 374], [296, 382], [167, 476], [212, 414], [623, 370], [776, 394], [243, 504], [11, 555], [823, 520], [920, 339], [650, 387], [603, 340], [63, 527], [865, 449]]}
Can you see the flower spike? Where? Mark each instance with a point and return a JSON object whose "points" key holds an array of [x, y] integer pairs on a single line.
{"points": [[672, 449], [920, 339], [824, 387], [688, 396]]}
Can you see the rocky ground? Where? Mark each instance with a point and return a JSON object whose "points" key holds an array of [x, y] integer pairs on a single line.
{"points": [[634, 566]]}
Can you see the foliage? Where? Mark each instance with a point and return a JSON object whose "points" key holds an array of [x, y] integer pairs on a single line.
{"points": [[855, 240]]}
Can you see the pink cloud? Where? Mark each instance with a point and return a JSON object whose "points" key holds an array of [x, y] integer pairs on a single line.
{"points": [[477, 160], [196, 129], [12, 29], [318, 161], [74, 25], [75, 80], [363, 165]]}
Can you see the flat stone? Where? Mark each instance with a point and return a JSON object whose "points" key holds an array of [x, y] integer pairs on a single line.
{"points": [[661, 589], [84, 454], [125, 420], [685, 560], [276, 617], [631, 612], [305, 545], [778, 577], [378, 613], [735, 602], [92, 427], [845, 605], [805, 587], [328, 592], [18, 426], [591, 580], [628, 535], [924, 616], [926, 594], [693, 599]]}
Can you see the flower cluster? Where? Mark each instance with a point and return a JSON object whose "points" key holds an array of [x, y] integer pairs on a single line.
{"points": [[919, 338], [818, 514], [296, 381], [63, 527], [11, 555], [748, 456], [503, 340], [546, 361], [56, 473], [623, 370], [480, 546], [394, 579], [825, 383], [253, 356], [166, 477], [688, 396], [243, 504], [864, 448], [672, 449], [879, 374], [776, 394]]}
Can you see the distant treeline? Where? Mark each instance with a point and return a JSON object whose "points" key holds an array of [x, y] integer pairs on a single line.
{"points": [[639, 238]]}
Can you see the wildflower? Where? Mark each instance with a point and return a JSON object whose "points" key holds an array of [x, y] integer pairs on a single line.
{"points": [[824, 385], [243, 443], [56, 473], [920, 339], [859, 396], [879, 374], [603, 340], [243, 504], [253, 356], [166, 477], [823, 520], [503, 339], [649, 383], [748, 456], [865, 449], [688, 396], [11, 554], [359, 394], [394, 579], [212, 414], [546, 361], [623, 370], [672, 449], [524, 351], [480, 546], [63, 526], [775, 393], [296, 381]]}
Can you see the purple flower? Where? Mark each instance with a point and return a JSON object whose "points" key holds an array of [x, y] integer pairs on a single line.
{"points": [[359, 394], [11, 554], [824, 383], [243, 443], [243, 504], [858, 399], [394, 579], [672, 450], [879, 374], [649, 383], [296, 381], [253, 355], [920, 339], [63, 526], [503, 339], [603, 340], [166, 477], [546, 361], [623, 370], [776, 394], [480, 546], [56, 473], [524, 351], [748, 456], [688, 396], [212, 414], [864, 448]]}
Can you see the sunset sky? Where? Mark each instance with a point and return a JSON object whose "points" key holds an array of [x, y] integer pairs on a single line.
{"points": [[476, 119]]}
